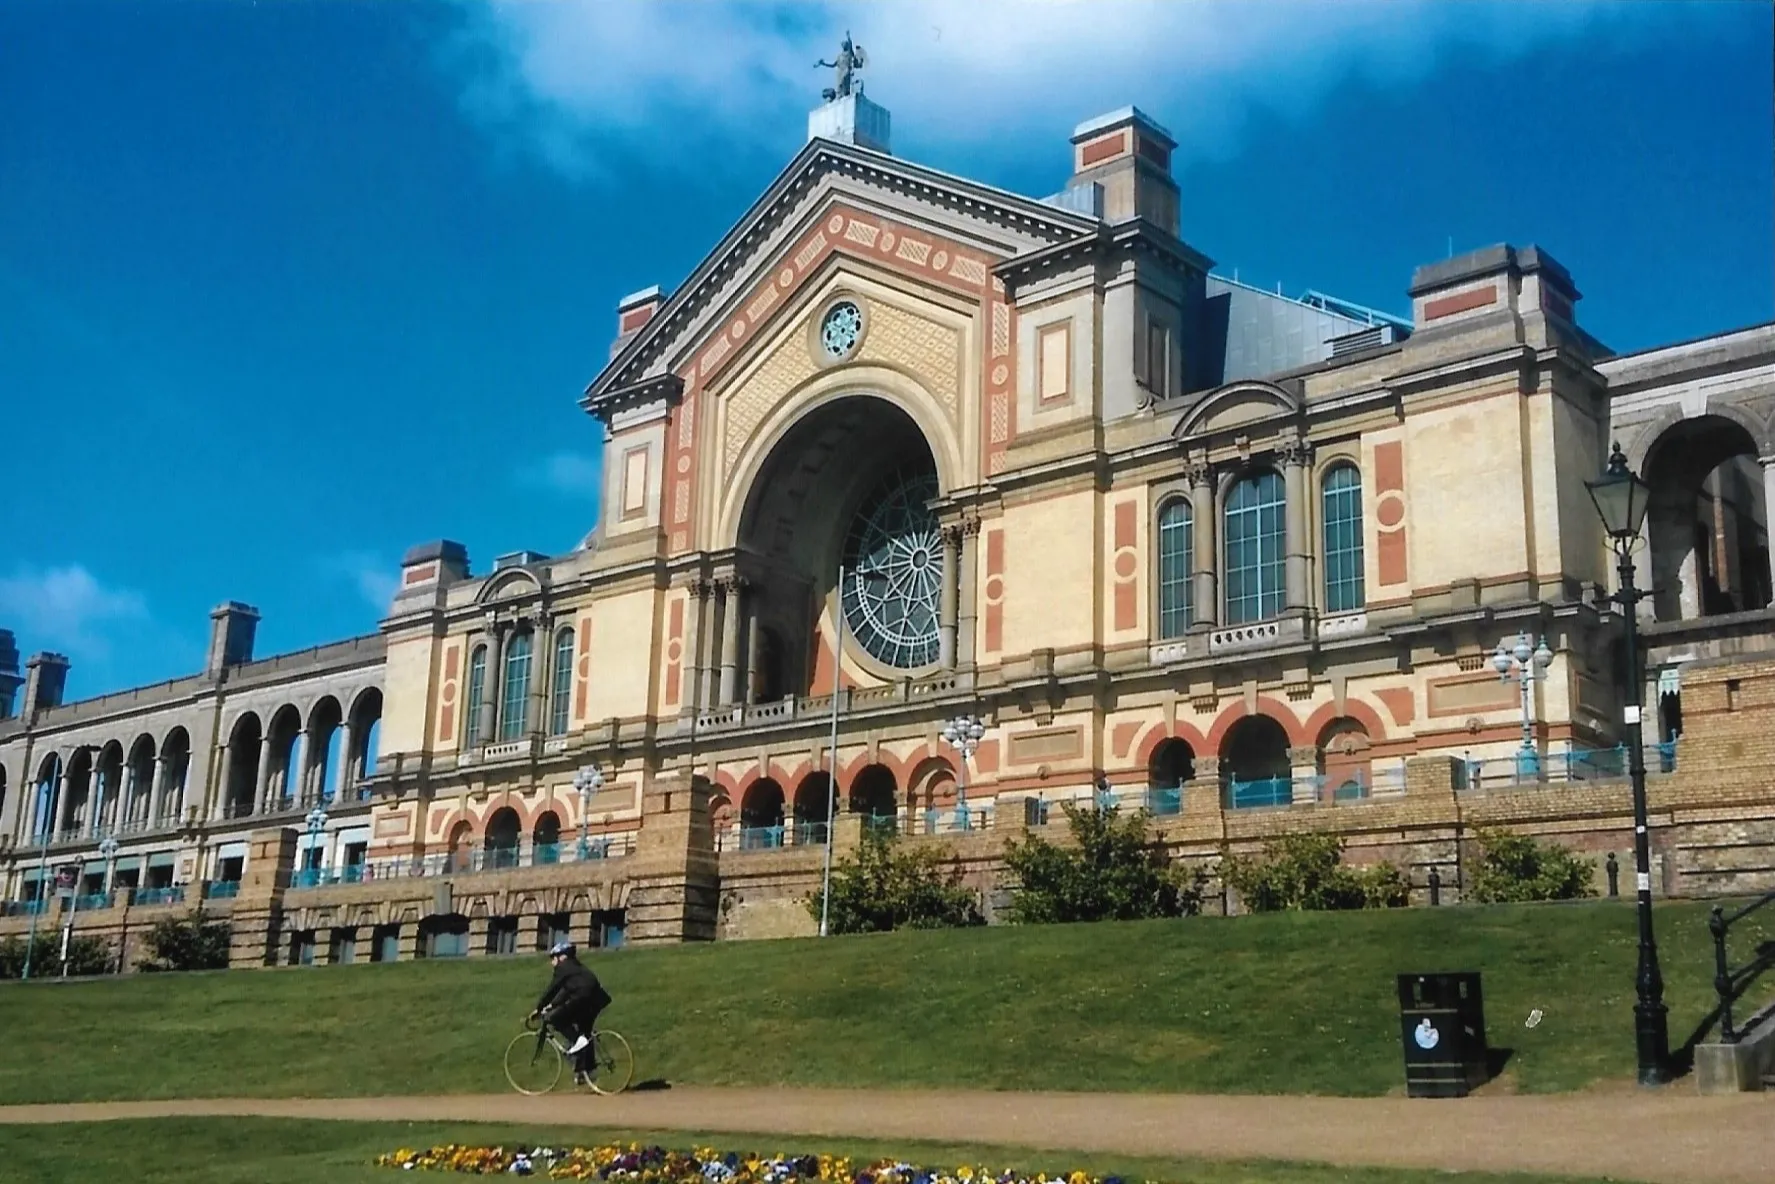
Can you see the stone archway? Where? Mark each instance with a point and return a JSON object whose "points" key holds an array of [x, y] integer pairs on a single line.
{"points": [[1254, 763], [1707, 525]]}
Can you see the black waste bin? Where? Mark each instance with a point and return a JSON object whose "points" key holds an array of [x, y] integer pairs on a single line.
{"points": [[1442, 1021]]}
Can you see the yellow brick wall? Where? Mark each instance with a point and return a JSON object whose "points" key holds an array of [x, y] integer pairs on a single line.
{"points": [[1050, 603]]}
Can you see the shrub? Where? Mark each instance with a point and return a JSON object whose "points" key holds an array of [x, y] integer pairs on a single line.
{"points": [[1516, 868], [191, 942], [1306, 871], [1116, 872], [87, 955], [888, 886]]}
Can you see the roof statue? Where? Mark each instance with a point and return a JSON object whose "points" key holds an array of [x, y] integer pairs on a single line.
{"points": [[850, 60]]}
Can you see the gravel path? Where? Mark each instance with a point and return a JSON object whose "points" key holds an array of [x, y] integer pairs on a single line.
{"points": [[1672, 1137]]}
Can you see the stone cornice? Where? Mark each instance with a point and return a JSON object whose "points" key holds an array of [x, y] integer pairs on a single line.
{"points": [[665, 389]]}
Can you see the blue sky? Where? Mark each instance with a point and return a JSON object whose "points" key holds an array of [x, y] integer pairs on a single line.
{"points": [[288, 287]]}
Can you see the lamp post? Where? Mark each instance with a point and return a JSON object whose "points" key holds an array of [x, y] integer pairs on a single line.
{"points": [[588, 781], [963, 733], [108, 853], [1530, 664], [1621, 499], [48, 828], [317, 821]]}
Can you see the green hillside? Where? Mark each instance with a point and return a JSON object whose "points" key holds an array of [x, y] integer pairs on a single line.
{"points": [[1291, 1003]]}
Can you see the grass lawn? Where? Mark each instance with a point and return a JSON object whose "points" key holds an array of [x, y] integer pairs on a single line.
{"points": [[283, 1151], [1289, 1003]]}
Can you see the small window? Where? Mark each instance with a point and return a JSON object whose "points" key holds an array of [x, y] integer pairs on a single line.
{"points": [[560, 700], [1342, 512], [477, 687], [1177, 550], [517, 687], [841, 329]]}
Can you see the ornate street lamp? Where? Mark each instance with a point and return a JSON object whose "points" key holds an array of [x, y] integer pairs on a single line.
{"points": [[588, 781], [1530, 664], [108, 853], [964, 733], [317, 822], [1621, 499]]}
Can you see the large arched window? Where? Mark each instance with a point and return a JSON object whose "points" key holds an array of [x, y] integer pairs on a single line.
{"points": [[1341, 503], [477, 690], [1177, 553], [1254, 547], [561, 693], [517, 687]]}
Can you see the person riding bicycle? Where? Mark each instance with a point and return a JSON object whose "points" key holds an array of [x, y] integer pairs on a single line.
{"points": [[577, 997]]}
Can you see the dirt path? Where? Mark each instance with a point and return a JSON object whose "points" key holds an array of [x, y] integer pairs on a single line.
{"points": [[1669, 1138]]}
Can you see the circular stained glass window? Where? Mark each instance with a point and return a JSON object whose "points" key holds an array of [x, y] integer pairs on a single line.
{"points": [[893, 573], [840, 329]]}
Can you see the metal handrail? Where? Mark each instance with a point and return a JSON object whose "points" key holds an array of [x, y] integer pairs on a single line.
{"points": [[1731, 984]]}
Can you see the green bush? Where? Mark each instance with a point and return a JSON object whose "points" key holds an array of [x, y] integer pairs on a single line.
{"points": [[1115, 872], [86, 955], [191, 942], [1515, 868], [1306, 871], [888, 886]]}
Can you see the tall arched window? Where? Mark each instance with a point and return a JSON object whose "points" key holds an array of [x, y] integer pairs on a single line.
{"points": [[1177, 553], [1342, 513], [1254, 547], [517, 687], [562, 691], [477, 690]]}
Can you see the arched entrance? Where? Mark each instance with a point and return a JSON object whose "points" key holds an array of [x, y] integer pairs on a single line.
{"points": [[1173, 763], [1344, 761], [849, 485], [761, 815], [502, 838], [813, 806], [876, 796], [1707, 523], [1254, 763]]}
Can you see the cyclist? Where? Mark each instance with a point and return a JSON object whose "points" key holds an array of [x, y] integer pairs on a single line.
{"points": [[577, 998]]}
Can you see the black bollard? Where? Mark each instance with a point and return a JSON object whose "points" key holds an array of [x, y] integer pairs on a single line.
{"points": [[1614, 870], [1435, 886]]}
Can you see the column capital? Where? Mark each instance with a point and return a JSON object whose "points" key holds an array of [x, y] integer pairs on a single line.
{"points": [[1198, 472], [1296, 452], [731, 583]]}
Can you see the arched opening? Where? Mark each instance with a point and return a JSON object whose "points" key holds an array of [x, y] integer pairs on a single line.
{"points": [[321, 748], [1707, 524], [1345, 767], [1254, 763], [139, 784], [813, 806], [848, 485], [243, 766], [545, 838], [72, 815], [720, 811], [43, 800], [461, 850], [107, 789], [1254, 527], [875, 795], [502, 838], [761, 815], [285, 776], [175, 766], [1173, 764], [359, 760]]}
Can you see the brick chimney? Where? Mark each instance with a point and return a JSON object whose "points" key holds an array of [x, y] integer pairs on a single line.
{"points": [[1129, 155], [632, 314], [10, 680], [232, 625], [46, 678]]}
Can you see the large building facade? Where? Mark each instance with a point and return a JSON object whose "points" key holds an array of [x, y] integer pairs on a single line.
{"points": [[906, 448]]}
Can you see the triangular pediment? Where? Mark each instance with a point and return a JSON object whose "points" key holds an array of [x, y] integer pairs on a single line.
{"points": [[833, 198]]}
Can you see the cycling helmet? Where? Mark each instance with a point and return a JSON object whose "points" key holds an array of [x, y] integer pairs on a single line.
{"points": [[561, 947]]}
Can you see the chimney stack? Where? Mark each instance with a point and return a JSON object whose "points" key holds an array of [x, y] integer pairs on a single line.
{"points": [[232, 625], [1129, 154], [632, 314], [426, 572], [10, 680], [46, 678]]}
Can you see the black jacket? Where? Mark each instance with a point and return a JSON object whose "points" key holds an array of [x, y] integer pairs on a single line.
{"points": [[573, 986]]}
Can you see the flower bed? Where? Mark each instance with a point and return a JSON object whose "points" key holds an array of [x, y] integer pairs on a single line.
{"points": [[656, 1165]]}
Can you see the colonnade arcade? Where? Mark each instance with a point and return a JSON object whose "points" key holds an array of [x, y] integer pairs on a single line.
{"points": [[93, 791], [291, 763]]}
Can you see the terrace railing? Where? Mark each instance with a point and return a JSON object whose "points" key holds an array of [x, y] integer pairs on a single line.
{"points": [[1729, 982]]}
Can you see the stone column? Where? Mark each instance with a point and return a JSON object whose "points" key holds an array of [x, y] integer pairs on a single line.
{"points": [[731, 591], [529, 933], [95, 801], [697, 633], [477, 935], [967, 588], [1304, 766], [344, 794], [63, 813], [751, 691], [947, 607], [261, 777], [1294, 457], [488, 710], [1768, 463], [542, 674], [156, 787], [1205, 603], [126, 796]]}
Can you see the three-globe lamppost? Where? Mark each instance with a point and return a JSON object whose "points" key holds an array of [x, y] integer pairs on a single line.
{"points": [[964, 733], [1621, 499], [317, 822], [588, 781], [1530, 664]]}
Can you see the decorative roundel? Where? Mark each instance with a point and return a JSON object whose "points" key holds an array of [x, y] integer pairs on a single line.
{"points": [[841, 328], [893, 573]]}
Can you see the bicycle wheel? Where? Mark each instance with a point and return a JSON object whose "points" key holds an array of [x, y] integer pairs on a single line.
{"points": [[616, 1064], [532, 1065]]}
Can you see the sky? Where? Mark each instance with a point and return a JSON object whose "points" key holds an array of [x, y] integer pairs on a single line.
{"points": [[288, 287]]}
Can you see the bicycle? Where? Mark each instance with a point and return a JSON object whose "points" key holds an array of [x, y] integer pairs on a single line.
{"points": [[535, 1057]]}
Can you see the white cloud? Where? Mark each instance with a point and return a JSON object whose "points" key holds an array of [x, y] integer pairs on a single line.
{"points": [[572, 474], [375, 580], [673, 78], [66, 609]]}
